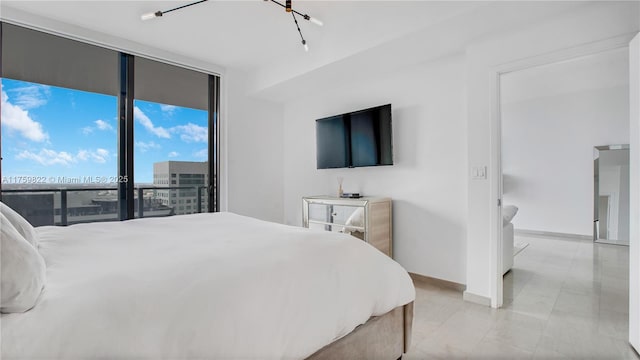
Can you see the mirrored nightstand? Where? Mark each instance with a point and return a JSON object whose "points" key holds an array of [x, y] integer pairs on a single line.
{"points": [[367, 218]]}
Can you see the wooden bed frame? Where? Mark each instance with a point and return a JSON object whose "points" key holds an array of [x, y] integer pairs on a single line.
{"points": [[382, 337]]}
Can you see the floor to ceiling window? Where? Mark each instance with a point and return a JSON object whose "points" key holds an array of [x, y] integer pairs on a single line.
{"points": [[77, 147], [171, 133]]}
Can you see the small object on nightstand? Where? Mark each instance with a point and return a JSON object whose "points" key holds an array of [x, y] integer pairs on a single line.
{"points": [[340, 179], [351, 195]]}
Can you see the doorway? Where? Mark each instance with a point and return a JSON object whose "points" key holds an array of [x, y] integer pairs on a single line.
{"points": [[492, 77], [552, 116]]}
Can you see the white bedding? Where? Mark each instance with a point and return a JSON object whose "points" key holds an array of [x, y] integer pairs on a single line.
{"points": [[214, 286]]}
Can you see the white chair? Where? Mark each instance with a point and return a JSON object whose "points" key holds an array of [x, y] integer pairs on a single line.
{"points": [[508, 213]]}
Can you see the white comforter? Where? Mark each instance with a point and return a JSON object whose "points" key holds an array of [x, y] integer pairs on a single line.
{"points": [[214, 286]]}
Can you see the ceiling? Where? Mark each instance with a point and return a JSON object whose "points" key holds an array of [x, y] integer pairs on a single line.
{"points": [[260, 39], [249, 34], [605, 70]]}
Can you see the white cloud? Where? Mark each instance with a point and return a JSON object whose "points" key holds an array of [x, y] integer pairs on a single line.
{"points": [[103, 125], [146, 146], [202, 154], [30, 96], [15, 118], [191, 132], [144, 120], [102, 152], [173, 154], [168, 109], [49, 157], [100, 156], [83, 155], [100, 125]]}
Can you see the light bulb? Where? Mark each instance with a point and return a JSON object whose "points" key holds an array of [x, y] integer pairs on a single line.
{"points": [[306, 47], [148, 16], [151, 15], [316, 21]]}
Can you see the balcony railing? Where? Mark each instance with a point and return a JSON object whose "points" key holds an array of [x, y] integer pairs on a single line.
{"points": [[102, 209]]}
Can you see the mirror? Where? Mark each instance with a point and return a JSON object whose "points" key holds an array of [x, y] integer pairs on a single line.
{"points": [[611, 194]]}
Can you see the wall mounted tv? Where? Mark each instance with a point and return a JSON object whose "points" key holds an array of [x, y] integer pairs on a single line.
{"points": [[355, 139]]}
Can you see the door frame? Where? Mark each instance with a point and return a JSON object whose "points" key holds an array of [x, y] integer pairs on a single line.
{"points": [[634, 203]]}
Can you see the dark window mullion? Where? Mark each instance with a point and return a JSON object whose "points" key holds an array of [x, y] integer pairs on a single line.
{"points": [[125, 138], [214, 144]]}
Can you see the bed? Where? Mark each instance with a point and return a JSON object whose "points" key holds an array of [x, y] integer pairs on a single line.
{"points": [[211, 286]]}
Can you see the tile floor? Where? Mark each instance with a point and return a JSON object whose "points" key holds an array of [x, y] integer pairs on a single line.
{"points": [[564, 299]]}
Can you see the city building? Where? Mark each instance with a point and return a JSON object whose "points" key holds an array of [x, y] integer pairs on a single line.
{"points": [[186, 182]]}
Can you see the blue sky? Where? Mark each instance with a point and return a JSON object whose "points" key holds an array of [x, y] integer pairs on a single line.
{"points": [[50, 132]]}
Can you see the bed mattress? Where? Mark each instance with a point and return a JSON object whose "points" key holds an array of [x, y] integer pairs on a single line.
{"points": [[214, 286]]}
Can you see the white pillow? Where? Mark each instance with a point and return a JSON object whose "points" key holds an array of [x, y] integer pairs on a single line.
{"points": [[508, 213], [21, 224], [356, 218], [22, 270]]}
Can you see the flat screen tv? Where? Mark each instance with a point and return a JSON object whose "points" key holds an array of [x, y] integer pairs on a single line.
{"points": [[355, 139]]}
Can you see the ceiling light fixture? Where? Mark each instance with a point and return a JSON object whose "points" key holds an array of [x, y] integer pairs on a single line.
{"points": [[287, 7]]}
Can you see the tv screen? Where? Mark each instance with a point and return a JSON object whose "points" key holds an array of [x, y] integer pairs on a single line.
{"points": [[359, 138]]}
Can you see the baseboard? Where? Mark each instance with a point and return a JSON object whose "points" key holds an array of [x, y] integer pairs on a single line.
{"points": [[550, 234], [476, 299], [438, 282], [466, 296]]}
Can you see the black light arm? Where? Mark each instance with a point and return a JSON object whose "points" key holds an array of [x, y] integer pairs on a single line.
{"points": [[304, 42], [183, 6], [159, 13]]}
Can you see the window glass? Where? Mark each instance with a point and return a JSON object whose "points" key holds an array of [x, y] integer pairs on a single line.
{"points": [[170, 142], [59, 153]]}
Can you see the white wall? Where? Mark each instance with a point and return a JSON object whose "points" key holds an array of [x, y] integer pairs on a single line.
{"points": [[548, 138], [427, 182], [254, 152], [589, 25]]}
